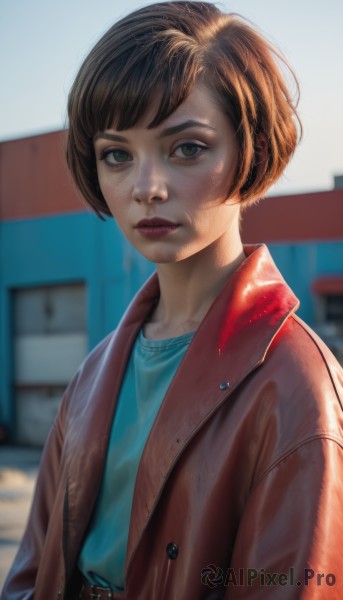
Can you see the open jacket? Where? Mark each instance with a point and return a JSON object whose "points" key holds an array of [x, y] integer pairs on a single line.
{"points": [[241, 477]]}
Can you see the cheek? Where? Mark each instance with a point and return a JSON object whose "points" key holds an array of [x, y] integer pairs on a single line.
{"points": [[206, 188], [106, 187], [223, 175], [114, 194]]}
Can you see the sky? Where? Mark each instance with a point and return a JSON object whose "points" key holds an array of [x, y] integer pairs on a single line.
{"points": [[43, 42]]}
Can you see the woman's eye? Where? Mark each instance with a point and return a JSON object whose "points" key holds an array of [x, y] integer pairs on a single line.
{"points": [[189, 150], [115, 157]]}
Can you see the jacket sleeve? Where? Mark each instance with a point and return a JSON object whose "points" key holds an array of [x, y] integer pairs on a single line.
{"points": [[289, 538], [20, 581]]}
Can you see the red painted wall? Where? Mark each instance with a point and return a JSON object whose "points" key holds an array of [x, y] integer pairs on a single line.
{"points": [[34, 178], [298, 217], [35, 181]]}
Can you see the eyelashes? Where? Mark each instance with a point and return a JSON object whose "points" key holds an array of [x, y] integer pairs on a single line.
{"points": [[117, 155], [190, 150], [187, 151]]}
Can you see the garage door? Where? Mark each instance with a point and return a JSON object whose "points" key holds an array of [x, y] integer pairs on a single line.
{"points": [[50, 341]]}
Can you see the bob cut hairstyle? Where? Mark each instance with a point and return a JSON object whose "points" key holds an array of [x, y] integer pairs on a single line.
{"points": [[169, 47]]}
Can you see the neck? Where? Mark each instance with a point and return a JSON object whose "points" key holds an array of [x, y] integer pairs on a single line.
{"points": [[189, 287]]}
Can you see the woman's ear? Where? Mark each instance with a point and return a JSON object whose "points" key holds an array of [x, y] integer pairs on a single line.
{"points": [[261, 154], [260, 161]]}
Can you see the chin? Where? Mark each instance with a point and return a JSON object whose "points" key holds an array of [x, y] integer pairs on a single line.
{"points": [[164, 258]]}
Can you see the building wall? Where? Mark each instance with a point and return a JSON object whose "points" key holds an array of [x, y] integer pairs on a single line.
{"points": [[49, 238], [60, 250], [305, 235], [34, 179], [302, 264]]}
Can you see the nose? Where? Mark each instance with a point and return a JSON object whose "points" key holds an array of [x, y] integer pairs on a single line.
{"points": [[150, 185]]}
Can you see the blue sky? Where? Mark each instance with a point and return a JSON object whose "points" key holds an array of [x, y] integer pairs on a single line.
{"points": [[42, 43]]}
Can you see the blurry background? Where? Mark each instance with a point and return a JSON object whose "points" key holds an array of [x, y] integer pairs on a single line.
{"points": [[42, 43], [66, 277]]}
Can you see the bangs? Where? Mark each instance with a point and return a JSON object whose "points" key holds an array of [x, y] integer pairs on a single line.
{"points": [[127, 86], [153, 58]]}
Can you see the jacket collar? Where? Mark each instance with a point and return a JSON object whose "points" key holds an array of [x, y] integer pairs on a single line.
{"points": [[230, 343]]}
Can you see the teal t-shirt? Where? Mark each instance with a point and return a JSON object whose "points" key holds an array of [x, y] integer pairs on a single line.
{"points": [[148, 374]]}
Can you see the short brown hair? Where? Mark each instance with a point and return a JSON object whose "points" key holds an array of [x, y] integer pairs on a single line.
{"points": [[170, 46]]}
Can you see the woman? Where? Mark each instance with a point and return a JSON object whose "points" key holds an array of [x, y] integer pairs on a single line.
{"points": [[198, 450]]}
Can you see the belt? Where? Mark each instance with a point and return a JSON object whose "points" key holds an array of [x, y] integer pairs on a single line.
{"points": [[95, 592]]}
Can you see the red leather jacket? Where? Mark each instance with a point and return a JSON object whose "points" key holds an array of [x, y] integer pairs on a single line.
{"points": [[239, 492]]}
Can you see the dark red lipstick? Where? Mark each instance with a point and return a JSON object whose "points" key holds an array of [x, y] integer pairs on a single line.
{"points": [[156, 227]]}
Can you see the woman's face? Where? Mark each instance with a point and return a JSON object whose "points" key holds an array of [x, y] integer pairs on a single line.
{"points": [[167, 186]]}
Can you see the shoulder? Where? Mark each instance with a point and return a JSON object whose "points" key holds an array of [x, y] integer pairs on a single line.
{"points": [[304, 358], [307, 369], [297, 396]]}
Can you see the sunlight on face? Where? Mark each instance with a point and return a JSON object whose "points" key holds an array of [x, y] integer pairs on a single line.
{"points": [[167, 187]]}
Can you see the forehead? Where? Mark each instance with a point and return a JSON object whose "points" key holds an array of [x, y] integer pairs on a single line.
{"points": [[200, 105]]}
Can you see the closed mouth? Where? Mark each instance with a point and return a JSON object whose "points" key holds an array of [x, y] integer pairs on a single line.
{"points": [[155, 223]]}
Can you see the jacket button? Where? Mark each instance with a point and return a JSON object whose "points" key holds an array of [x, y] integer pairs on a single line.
{"points": [[224, 386], [172, 550]]}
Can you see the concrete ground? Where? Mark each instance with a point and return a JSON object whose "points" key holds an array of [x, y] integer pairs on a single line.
{"points": [[18, 471]]}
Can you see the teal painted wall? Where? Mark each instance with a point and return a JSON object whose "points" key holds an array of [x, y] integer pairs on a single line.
{"points": [[81, 248], [59, 250], [302, 263]]}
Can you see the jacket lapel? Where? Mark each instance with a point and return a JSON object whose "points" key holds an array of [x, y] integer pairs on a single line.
{"points": [[96, 389], [231, 341]]}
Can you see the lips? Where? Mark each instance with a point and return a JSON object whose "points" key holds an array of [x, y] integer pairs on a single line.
{"points": [[155, 222], [156, 227]]}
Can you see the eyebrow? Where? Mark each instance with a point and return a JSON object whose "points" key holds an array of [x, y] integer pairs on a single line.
{"points": [[165, 133], [182, 126]]}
